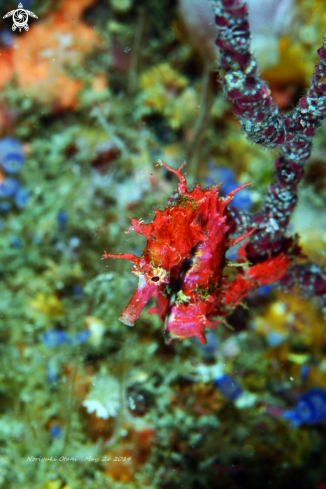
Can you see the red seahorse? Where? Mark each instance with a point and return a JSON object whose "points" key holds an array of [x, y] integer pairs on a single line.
{"points": [[183, 261]]}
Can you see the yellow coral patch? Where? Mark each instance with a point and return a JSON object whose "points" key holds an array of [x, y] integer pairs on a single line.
{"points": [[52, 485], [48, 305], [162, 74], [290, 316]]}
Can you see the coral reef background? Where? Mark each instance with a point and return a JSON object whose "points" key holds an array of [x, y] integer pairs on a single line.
{"points": [[92, 95]]}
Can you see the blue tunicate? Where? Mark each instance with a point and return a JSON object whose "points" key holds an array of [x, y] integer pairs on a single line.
{"points": [[304, 371], [28, 4], [274, 338], [62, 219], [225, 175], [5, 206], [231, 253], [21, 198], [211, 343], [15, 242], [7, 38], [55, 430], [82, 336], [311, 408], [11, 155], [264, 290], [77, 290], [55, 338], [242, 199], [228, 386], [8, 187], [218, 174], [52, 369]]}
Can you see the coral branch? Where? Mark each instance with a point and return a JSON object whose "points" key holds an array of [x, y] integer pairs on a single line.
{"points": [[263, 124], [309, 279]]}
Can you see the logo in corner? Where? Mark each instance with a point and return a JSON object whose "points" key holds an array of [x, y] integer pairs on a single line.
{"points": [[20, 18]]}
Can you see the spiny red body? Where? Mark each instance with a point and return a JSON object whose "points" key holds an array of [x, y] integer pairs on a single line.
{"points": [[183, 262]]}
